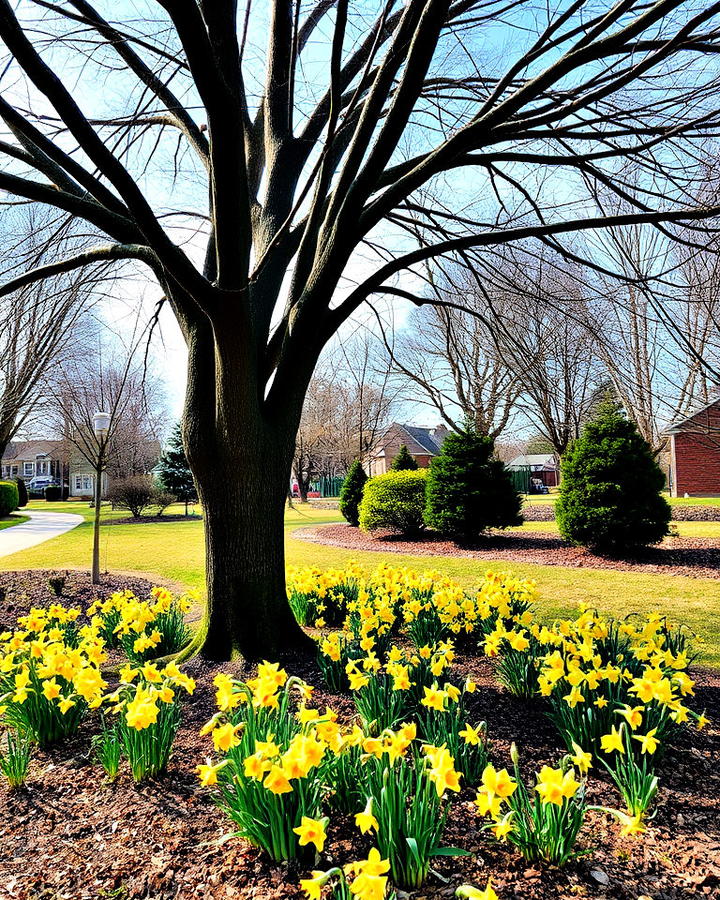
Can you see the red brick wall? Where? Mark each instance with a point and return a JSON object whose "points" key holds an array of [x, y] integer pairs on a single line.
{"points": [[696, 458]]}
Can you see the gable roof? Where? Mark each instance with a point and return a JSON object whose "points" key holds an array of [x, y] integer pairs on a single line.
{"points": [[420, 441], [28, 450], [425, 438], [683, 424], [536, 461]]}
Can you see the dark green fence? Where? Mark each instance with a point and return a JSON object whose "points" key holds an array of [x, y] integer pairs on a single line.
{"points": [[521, 478], [328, 486]]}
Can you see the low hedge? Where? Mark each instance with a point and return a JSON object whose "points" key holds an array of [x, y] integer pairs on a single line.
{"points": [[9, 498], [394, 501]]}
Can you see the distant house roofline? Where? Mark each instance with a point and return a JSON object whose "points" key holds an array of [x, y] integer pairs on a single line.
{"points": [[679, 426]]}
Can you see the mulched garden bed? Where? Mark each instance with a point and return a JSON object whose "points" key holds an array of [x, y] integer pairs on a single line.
{"points": [[545, 512], [19, 591], [694, 557], [152, 520], [68, 835]]}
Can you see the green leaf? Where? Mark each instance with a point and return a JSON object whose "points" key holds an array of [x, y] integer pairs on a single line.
{"points": [[449, 851]]}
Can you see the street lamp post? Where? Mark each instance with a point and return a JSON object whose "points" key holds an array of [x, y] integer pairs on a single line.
{"points": [[101, 428]]}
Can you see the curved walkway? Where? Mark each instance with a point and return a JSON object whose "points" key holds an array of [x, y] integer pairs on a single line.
{"points": [[41, 527]]}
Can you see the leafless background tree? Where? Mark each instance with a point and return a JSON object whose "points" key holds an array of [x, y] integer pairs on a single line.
{"points": [[42, 325], [349, 402]]}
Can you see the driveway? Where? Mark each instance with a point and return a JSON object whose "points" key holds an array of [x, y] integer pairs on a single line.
{"points": [[41, 527]]}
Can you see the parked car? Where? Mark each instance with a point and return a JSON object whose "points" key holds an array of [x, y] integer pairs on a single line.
{"points": [[537, 486], [36, 486]]}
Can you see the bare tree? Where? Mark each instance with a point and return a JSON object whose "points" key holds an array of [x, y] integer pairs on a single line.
{"points": [[300, 175], [348, 403], [450, 360], [41, 324]]}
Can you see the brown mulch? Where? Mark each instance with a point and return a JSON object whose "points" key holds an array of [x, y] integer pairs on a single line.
{"points": [[68, 835], [19, 591], [545, 512], [693, 557], [152, 520]]}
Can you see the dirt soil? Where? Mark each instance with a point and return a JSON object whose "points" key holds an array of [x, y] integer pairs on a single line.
{"points": [[69, 835], [694, 557]]}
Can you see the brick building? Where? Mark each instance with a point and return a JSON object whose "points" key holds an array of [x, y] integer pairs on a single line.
{"points": [[422, 444], [695, 453]]}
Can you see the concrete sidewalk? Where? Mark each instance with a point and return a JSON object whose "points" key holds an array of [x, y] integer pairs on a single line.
{"points": [[41, 527]]}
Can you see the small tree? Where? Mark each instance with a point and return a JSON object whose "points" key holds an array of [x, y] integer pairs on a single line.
{"points": [[351, 492], [469, 489], [22, 493], [396, 501], [135, 494], [610, 489], [403, 461], [173, 471]]}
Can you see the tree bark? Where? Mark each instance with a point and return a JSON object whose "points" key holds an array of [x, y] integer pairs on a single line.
{"points": [[241, 459]]}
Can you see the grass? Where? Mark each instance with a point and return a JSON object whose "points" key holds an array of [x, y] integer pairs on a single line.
{"points": [[176, 551], [13, 519]]}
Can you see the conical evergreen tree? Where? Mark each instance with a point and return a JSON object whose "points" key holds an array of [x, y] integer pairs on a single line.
{"points": [[351, 492], [403, 461], [610, 496], [174, 472], [469, 489]]}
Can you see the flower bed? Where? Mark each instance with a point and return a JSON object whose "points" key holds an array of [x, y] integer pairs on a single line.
{"points": [[324, 779]]}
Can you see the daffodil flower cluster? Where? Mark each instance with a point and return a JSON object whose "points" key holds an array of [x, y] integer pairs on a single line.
{"points": [[428, 605], [145, 629], [542, 823], [50, 673], [407, 802], [365, 879], [147, 703], [271, 775]]}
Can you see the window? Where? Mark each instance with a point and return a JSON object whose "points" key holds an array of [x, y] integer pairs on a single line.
{"points": [[84, 483], [28, 468], [43, 467]]}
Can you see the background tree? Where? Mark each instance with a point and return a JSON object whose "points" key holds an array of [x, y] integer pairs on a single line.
{"points": [[449, 358], [610, 490], [40, 323], [314, 196], [173, 471], [403, 461], [352, 491], [469, 489]]}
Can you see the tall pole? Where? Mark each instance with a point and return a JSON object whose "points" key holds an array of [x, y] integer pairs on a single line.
{"points": [[96, 526], [101, 428]]}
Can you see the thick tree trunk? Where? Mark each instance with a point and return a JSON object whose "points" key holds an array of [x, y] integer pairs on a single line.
{"points": [[241, 458], [247, 612]]}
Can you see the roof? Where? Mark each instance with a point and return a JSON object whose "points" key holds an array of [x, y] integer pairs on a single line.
{"points": [[420, 441], [682, 424], [535, 461], [425, 437], [27, 450]]}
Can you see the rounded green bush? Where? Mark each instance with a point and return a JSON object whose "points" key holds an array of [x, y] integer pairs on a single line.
{"points": [[351, 492], [395, 500], [610, 487], [9, 498]]}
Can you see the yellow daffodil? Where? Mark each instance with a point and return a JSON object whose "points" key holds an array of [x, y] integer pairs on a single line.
{"points": [[312, 831]]}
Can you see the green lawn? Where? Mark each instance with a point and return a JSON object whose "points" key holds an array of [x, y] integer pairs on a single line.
{"points": [[13, 519], [175, 550]]}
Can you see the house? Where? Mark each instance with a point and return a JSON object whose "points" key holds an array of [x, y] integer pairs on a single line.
{"points": [[422, 444], [695, 453], [38, 463], [542, 466]]}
